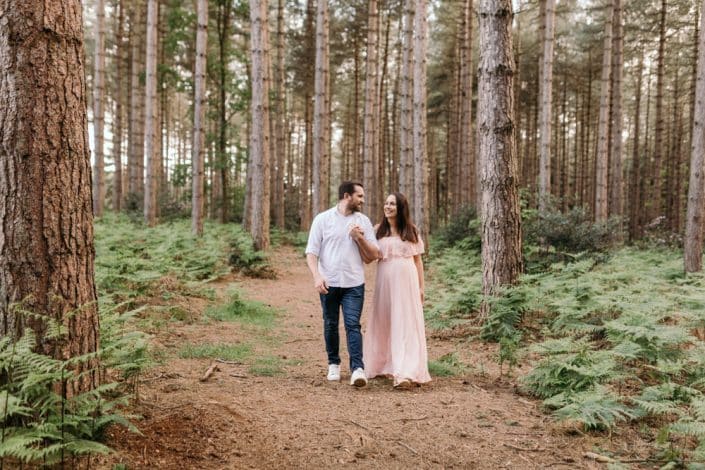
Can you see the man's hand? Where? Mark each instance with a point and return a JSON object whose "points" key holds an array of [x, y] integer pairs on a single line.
{"points": [[356, 232], [321, 285]]}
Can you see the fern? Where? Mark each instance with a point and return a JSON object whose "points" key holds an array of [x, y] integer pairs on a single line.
{"points": [[594, 408]]}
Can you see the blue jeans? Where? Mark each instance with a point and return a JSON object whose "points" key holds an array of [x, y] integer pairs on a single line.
{"points": [[351, 299]]}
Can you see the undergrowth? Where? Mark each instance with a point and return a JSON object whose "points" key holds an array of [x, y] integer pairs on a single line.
{"points": [[615, 339]]}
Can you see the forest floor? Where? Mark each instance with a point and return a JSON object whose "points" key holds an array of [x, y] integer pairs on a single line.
{"points": [[297, 419]]}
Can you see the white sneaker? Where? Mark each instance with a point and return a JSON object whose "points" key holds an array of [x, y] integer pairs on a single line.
{"points": [[358, 378], [334, 372]]}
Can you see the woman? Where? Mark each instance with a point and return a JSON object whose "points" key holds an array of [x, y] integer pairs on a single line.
{"points": [[395, 342]]}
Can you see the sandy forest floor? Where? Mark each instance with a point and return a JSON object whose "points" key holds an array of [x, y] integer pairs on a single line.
{"points": [[297, 419]]}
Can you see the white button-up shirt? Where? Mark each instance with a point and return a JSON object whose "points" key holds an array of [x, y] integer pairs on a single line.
{"points": [[339, 260]]}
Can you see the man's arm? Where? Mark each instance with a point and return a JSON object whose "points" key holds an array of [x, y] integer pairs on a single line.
{"points": [[320, 283], [368, 251]]}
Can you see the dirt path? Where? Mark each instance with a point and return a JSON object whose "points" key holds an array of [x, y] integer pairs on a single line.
{"points": [[299, 420]]}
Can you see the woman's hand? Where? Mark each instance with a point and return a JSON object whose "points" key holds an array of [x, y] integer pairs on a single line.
{"points": [[423, 297]]}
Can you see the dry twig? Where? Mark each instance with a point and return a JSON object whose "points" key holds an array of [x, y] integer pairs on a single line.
{"points": [[209, 372]]}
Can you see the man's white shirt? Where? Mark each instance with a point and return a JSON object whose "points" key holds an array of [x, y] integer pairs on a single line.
{"points": [[339, 260]]}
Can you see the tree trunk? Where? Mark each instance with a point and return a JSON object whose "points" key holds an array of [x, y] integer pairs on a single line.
{"points": [[46, 244], [150, 116], [371, 120], [693, 252], [259, 137], [655, 196], [616, 204], [501, 219], [135, 158], [99, 111], [119, 98], [280, 114], [420, 154], [636, 169], [199, 116], [406, 102], [321, 139], [602, 157], [467, 145], [222, 157], [546, 105]]}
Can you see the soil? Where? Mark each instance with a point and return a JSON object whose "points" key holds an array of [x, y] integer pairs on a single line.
{"points": [[297, 419]]}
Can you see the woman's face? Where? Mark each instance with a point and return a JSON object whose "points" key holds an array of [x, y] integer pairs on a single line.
{"points": [[390, 206]]}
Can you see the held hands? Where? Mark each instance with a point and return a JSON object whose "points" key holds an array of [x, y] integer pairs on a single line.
{"points": [[356, 232], [321, 285]]}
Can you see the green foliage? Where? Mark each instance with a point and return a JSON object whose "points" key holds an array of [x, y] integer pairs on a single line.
{"points": [[268, 366], [227, 352], [572, 231], [40, 423], [595, 408], [243, 311], [447, 365], [464, 228]]}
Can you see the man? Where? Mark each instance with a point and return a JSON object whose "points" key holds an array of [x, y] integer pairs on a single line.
{"points": [[340, 240]]}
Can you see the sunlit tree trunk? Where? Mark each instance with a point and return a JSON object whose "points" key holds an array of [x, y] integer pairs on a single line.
{"points": [[199, 116], [693, 252], [546, 105], [46, 243], [259, 137], [501, 219], [601, 165]]}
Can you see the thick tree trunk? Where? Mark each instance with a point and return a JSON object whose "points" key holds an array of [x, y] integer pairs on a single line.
{"points": [[602, 157], [150, 117], [616, 199], [46, 244], [693, 253], [135, 158], [199, 116], [501, 219], [546, 105], [259, 137], [222, 156]]}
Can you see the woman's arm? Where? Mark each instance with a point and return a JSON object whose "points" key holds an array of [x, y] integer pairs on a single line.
{"points": [[419, 270]]}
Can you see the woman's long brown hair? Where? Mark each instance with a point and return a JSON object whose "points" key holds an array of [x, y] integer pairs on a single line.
{"points": [[407, 230]]}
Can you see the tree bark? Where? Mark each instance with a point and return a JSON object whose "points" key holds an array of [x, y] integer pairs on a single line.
{"points": [[259, 137], [693, 251], [501, 219], [120, 60], [321, 126], [46, 244], [421, 217], [602, 157], [99, 111], [371, 119], [150, 117], [406, 102], [280, 113], [616, 199], [135, 159], [546, 105], [655, 196], [199, 116]]}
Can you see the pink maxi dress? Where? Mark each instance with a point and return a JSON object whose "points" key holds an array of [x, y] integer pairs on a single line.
{"points": [[395, 340]]}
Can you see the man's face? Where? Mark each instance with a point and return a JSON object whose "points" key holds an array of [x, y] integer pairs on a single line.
{"points": [[356, 199]]}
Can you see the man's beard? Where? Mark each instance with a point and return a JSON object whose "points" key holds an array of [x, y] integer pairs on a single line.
{"points": [[354, 207]]}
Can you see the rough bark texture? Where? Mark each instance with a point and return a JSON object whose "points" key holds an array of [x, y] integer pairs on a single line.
{"points": [[693, 254], [135, 158], [601, 164], [501, 219], [46, 243], [199, 116], [280, 120], [546, 105], [259, 137], [420, 128], [321, 117], [467, 145], [406, 100], [99, 111]]}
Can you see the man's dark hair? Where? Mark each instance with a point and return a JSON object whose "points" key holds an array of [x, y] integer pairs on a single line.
{"points": [[347, 187]]}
